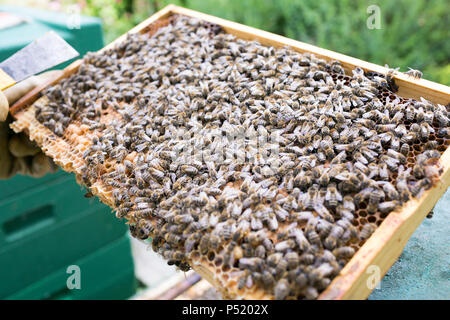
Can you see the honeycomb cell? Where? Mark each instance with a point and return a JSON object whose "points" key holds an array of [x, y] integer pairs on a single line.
{"points": [[195, 255], [211, 256], [218, 261]]}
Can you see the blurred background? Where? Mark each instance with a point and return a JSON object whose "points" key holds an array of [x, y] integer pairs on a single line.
{"points": [[47, 225], [413, 33]]}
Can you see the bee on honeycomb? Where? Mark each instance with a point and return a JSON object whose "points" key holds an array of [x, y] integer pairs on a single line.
{"points": [[270, 166]]}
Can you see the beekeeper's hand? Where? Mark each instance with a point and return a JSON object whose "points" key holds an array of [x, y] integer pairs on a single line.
{"points": [[17, 153]]}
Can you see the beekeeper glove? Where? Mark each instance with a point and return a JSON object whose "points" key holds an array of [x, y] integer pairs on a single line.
{"points": [[17, 153]]}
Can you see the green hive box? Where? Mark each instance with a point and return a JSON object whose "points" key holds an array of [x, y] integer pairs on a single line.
{"points": [[46, 224], [117, 280], [46, 228]]}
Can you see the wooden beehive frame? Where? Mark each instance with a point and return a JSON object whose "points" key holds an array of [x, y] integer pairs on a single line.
{"points": [[381, 250]]}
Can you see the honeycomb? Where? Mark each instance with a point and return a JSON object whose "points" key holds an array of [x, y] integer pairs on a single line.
{"points": [[441, 139], [70, 141]]}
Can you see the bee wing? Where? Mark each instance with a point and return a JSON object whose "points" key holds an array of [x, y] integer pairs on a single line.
{"points": [[338, 196]]}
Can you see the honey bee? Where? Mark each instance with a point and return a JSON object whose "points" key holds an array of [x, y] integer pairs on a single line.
{"points": [[260, 251], [418, 187], [292, 260], [324, 227], [431, 145], [333, 197], [309, 293], [157, 241], [172, 239], [410, 113], [376, 195], [313, 237], [254, 239], [174, 255], [443, 133], [310, 196], [281, 290], [332, 239], [362, 168], [402, 185], [237, 252], [267, 243], [184, 266], [416, 74], [428, 117], [267, 279], [319, 273], [387, 206], [348, 203], [366, 231], [389, 190], [336, 67], [237, 235], [242, 282], [344, 252], [189, 170], [214, 242], [424, 132], [285, 245], [204, 244], [113, 183], [418, 171], [404, 149], [383, 171], [274, 258], [302, 181], [254, 264], [141, 230], [281, 268], [390, 77], [442, 119]]}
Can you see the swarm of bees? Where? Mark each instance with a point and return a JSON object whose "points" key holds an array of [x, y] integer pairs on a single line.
{"points": [[285, 216]]}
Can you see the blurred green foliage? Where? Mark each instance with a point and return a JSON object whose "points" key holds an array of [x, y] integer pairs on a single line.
{"points": [[413, 33], [118, 16]]}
